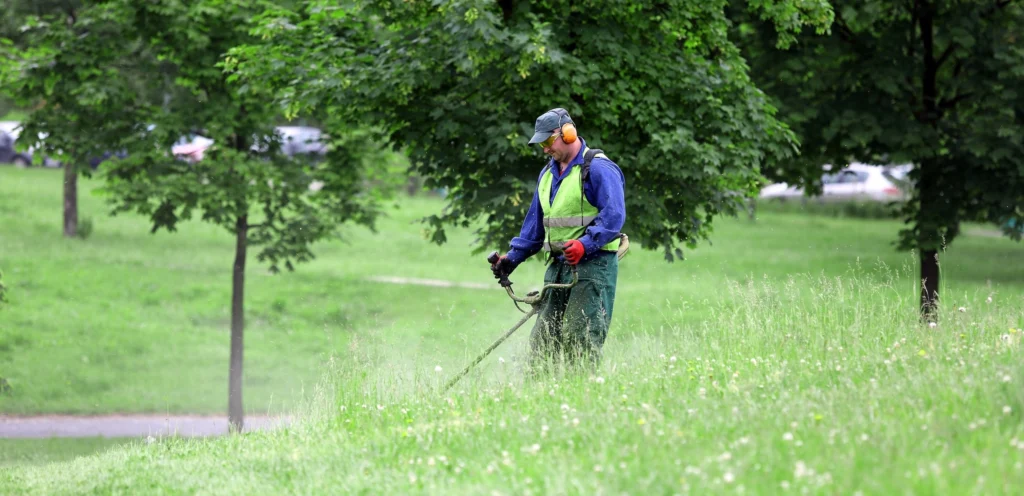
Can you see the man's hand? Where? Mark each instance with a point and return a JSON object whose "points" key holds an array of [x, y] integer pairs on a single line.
{"points": [[574, 251], [502, 268]]}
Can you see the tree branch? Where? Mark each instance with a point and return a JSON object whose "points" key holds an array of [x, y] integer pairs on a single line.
{"points": [[845, 33], [947, 104], [945, 55]]}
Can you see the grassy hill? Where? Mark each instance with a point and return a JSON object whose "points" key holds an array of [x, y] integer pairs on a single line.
{"points": [[787, 355]]}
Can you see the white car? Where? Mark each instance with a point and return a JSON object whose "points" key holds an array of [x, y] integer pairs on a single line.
{"points": [[854, 182]]}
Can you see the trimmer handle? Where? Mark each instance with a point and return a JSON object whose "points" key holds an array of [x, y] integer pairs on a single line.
{"points": [[493, 258]]}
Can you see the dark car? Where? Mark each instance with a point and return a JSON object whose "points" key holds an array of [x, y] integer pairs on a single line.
{"points": [[8, 155]]}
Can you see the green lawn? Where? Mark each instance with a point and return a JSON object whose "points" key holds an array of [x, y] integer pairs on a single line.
{"points": [[14, 115], [41, 451], [129, 321], [787, 355]]}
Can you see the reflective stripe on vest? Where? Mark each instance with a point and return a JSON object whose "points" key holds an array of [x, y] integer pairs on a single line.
{"points": [[569, 214]]}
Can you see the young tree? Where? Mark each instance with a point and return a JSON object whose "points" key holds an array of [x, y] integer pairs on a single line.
{"points": [[243, 184], [656, 84], [932, 82], [264, 199], [70, 71]]}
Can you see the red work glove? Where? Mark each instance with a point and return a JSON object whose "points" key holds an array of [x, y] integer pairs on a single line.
{"points": [[574, 251]]}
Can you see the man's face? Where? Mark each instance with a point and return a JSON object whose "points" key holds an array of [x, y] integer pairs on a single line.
{"points": [[556, 148]]}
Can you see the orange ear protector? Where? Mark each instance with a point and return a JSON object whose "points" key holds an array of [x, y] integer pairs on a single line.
{"points": [[568, 130]]}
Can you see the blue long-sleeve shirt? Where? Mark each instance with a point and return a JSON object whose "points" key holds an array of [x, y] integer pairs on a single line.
{"points": [[604, 189]]}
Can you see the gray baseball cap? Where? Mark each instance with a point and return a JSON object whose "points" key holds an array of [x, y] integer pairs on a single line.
{"points": [[552, 119]]}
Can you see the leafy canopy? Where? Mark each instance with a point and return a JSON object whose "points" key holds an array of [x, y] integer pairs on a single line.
{"points": [[932, 83], [658, 85]]}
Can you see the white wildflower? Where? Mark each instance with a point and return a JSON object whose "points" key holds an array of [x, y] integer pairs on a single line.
{"points": [[932, 325], [802, 470], [1007, 410], [787, 436], [673, 359], [961, 309], [728, 477], [437, 369]]}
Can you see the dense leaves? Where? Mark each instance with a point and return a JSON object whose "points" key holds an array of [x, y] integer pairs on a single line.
{"points": [[74, 70], [932, 83], [657, 85]]}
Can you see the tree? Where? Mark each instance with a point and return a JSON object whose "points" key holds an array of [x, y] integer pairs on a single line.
{"points": [[933, 83], [244, 184], [656, 84], [63, 91]]}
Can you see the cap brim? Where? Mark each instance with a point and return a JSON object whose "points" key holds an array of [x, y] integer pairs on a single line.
{"points": [[538, 137]]}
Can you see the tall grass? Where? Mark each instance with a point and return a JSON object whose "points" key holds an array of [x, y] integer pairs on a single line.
{"points": [[810, 385]]}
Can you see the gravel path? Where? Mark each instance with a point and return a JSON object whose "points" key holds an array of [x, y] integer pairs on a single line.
{"points": [[44, 426]]}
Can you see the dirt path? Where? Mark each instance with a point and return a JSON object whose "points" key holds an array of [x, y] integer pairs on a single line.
{"points": [[44, 426], [437, 283]]}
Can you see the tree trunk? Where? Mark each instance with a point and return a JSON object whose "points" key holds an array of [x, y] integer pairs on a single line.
{"points": [[70, 201], [237, 326], [929, 282]]}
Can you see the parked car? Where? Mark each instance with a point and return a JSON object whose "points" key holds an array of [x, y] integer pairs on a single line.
{"points": [[854, 182], [301, 140], [9, 132], [8, 153]]}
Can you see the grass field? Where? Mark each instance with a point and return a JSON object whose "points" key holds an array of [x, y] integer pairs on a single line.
{"points": [[786, 355], [41, 451]]}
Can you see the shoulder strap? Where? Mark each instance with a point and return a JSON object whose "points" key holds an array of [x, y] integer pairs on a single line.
{"points": [[587, 157]]}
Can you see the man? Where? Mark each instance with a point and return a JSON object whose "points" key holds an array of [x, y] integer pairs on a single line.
{"points": [[576, 216]]}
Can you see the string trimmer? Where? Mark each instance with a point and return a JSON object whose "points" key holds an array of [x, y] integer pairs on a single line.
{"points": [[533, 298]]}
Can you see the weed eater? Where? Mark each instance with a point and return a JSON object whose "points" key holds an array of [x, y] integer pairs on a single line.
{"points": [[533, 298]]}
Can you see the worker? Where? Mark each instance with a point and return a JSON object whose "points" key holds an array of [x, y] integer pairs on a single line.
{"points": [[576, 215]]}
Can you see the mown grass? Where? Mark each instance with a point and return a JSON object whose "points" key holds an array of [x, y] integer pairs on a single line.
{"points": [[127, 321], [41, 451], [769, 392]]}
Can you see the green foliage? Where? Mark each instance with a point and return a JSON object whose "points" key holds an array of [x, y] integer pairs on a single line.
{"points": [[75, 71], [657, 85], [243, 182], [933, 83]]}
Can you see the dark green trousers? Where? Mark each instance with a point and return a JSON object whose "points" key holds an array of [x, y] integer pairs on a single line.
{"points": [[573, 323]]}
